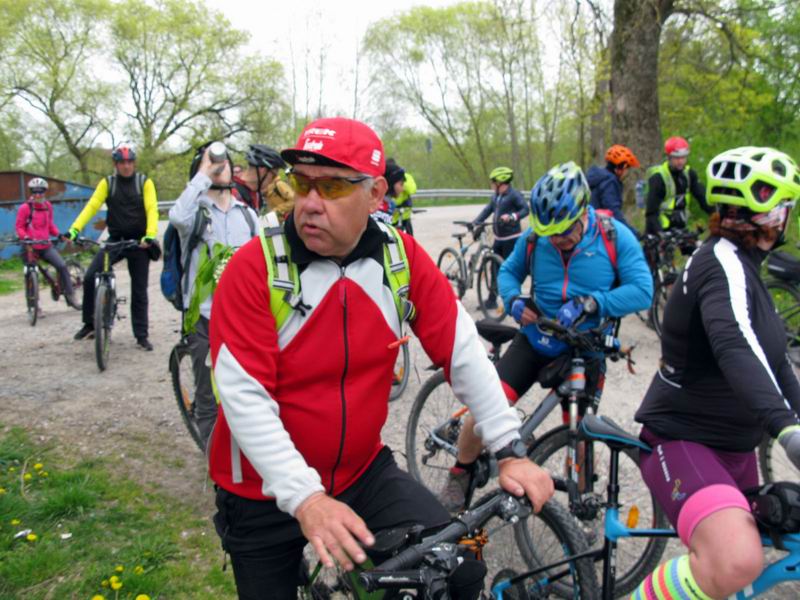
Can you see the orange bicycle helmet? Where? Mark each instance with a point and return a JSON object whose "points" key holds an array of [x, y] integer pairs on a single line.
{"points": [[618, 154]]}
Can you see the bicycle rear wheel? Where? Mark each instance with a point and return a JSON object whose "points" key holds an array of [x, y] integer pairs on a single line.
{"points": [[546, 538], [32, 296], [487, 286], [435, 410], [660, 295], [636, 557], [400, 375], [103, 321], [183, 384], [76, 274], [453, 267]]}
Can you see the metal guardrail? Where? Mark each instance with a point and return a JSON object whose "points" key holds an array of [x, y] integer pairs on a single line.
{"points": [[433, 193]]}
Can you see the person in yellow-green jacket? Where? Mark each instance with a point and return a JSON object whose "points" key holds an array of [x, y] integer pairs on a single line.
{"points": [[132, 214], [402, 191], [672, 186]]}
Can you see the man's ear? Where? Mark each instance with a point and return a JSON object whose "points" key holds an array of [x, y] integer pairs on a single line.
{"points": [[377, 193]]}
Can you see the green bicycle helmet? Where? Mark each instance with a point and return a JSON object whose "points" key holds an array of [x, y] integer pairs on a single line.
{"points": [[559, 199], [758, 179], [501, 175]]}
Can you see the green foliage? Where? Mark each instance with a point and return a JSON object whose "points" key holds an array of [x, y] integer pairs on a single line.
{"points": [[91, 525]]}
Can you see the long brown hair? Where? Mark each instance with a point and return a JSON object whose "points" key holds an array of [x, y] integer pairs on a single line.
{"points": [[745, 239]]}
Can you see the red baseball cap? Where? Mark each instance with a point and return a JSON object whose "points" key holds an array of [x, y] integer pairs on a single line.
{"points": [[339, 142]]}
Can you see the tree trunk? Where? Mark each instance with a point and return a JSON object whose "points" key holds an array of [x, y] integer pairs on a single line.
{"points": [[634, 75]]}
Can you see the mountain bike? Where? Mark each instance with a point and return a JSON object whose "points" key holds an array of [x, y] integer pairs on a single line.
{"points": [[423, 563], [436, 419], [479, 268], [662, 257], [606, 431], [33, 269], [106, 301]]}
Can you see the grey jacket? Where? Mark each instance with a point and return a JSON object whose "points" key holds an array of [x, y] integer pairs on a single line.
{"points": [[230, 228]]}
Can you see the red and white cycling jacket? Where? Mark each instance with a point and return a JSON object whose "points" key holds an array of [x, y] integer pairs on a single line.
{"points": [[301, 410]]}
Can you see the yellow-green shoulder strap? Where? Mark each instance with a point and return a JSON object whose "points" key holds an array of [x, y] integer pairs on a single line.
{"points": [[395, 265], [283, 279]]}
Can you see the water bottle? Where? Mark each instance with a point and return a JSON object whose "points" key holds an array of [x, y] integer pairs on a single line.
{"points": [[217, 152]]}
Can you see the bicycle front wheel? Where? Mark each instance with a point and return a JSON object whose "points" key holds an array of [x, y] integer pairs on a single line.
{"points": [[487, 287], [786, 299], [636, 557], [103, 317], [400, 374], [546, 538], [660, 296], [453, 267], [183, 384], [32, 296], [773, 462]]}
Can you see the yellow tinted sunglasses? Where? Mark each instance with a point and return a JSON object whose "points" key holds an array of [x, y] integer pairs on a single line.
{"points": [[330, 188]]}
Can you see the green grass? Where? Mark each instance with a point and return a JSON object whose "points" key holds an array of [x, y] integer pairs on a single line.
{"points": [[89, 522]]}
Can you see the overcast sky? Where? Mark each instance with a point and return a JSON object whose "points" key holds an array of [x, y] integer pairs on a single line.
{"points": [[301, 28]]}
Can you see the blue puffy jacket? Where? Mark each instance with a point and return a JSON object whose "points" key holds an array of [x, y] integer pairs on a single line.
{"points": [[607, 192], [588, 271]]}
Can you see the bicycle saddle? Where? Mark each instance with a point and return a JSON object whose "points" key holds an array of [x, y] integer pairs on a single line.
{"points": [[495, 333], [784, 266], [389, 541], [605, 429]]}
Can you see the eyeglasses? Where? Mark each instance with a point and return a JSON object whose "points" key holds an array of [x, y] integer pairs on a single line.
{"points": [[568, 231], [776, 217], [330, 188]]}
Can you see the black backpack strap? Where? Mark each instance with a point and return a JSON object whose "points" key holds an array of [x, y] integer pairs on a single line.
{"points": [[111, 182], [249, 218], [201, 220], [140, 179]]}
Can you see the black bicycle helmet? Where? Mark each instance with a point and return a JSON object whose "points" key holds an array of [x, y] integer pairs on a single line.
{"points": [[260, 155]]}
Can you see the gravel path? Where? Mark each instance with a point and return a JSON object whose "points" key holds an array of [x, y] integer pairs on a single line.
{"points": [[51, 384]]}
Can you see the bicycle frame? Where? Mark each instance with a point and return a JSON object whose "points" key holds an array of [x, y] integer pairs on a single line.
{"points": [[470, 265], [782, 570], [32, 260]]}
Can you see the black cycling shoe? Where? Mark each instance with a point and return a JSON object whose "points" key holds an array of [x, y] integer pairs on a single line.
{"points": [[145, 343], [85, 332]]}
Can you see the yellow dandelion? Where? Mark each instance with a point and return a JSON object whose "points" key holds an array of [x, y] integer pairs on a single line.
{"points": [[43, 473], [15, 521], [38, 466], [113, 579], [27, 477], [31, 537], [119, 568], [2, 491], [142, 597], [12, 469], [98, 597], [104, 583], [138, 569], [116, 585]]}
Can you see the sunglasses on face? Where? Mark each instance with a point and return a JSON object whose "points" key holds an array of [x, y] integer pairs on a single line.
{"points": [[329, 188]]}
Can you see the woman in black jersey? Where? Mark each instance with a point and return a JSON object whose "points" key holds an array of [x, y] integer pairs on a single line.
{"points": [[723, 381]]}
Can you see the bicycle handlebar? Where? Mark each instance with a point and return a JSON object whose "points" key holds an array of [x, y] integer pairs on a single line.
{"points": [[120, 245], [503, 505], [27, 242]]}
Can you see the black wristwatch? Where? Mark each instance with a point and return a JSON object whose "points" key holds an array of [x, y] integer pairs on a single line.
{"points": [[516, 449]]}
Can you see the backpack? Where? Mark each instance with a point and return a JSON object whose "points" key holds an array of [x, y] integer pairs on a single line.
{"points": [[283, 277], [111, 181], [608, 232], [30, 213], [176, 266]]}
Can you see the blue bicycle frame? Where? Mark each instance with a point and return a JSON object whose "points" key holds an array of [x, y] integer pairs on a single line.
{"points": [[780, 571]]}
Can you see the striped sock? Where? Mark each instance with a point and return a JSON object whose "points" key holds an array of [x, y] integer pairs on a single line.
{"points": [[671, 581]]}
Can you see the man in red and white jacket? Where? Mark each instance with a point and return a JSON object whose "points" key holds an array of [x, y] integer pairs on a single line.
{"points": [[296, 454]]}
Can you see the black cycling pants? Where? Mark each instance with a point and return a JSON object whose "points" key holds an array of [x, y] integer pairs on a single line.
{"points": [[139, 268], [266, 544], [521, 366]]}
